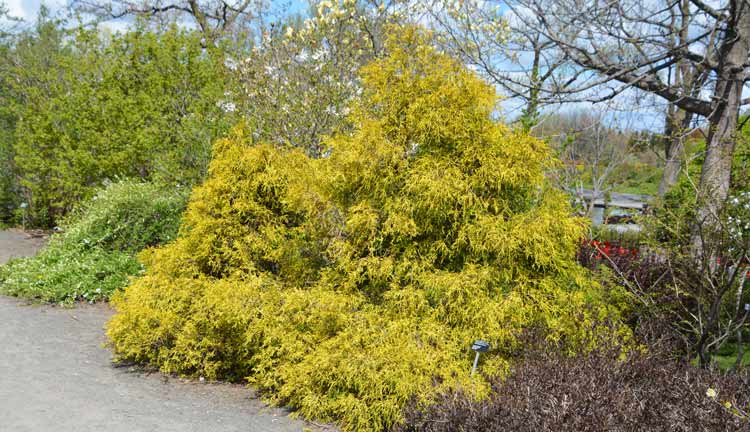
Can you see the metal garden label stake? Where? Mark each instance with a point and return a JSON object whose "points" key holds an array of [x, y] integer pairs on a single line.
{"points": [[23, 207], [479, 346]]}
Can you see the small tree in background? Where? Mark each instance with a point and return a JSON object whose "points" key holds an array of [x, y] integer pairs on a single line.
{"points": [[702, 297], [695, 302]]}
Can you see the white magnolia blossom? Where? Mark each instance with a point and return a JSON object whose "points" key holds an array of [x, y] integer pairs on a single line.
{"points": [[228, 106], [738, 220]]}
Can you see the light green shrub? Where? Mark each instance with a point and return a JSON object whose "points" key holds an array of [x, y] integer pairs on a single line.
{"points": [[95, 254]]}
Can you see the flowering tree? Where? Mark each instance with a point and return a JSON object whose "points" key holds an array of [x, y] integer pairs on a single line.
{"points": [[299, 80]]}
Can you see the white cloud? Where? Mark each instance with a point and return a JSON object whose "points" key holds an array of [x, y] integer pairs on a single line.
{"points": [[28, 9], [15, 8]]}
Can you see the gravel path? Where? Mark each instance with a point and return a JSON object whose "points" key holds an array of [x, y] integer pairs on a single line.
{"points": [[55, 375], [17, 244]]}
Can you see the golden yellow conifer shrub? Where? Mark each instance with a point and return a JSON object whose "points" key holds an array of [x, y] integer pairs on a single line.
{"points": [[346, 285]]}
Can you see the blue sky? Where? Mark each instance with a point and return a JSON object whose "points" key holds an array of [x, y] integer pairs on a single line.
{"points": [[27, 9]]}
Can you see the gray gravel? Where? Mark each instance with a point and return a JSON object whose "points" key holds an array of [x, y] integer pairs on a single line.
{"points": [[56, 375]]}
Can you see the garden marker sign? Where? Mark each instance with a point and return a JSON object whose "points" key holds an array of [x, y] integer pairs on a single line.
{"points": [[479, 346]]}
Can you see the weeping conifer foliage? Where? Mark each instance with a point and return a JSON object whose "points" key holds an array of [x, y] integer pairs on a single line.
{"points": [[346, 285]]}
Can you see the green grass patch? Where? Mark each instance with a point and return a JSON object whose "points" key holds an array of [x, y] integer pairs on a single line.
{"points": [[726, 357], [95, 253]]}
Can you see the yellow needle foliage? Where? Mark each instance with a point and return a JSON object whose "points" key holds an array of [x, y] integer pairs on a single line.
{"points": [[346, 285]]}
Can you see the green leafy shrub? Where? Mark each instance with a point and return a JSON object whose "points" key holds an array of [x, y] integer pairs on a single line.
{"points": [[346, 285], [8, 192], [95, 254], [83, 108]]}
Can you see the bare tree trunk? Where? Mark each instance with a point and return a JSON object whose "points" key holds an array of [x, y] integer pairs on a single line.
{"points": [[672, 143], [717, 166], [672, 166], [678, 122]]}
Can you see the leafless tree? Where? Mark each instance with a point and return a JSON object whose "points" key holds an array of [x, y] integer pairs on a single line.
{"points": [[521, 61], [678, 123], [591, 148], [528, 66], [215, 18], [631, 44]]}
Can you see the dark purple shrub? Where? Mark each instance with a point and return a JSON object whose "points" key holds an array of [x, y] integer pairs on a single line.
{"points": [[548, 391]]}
